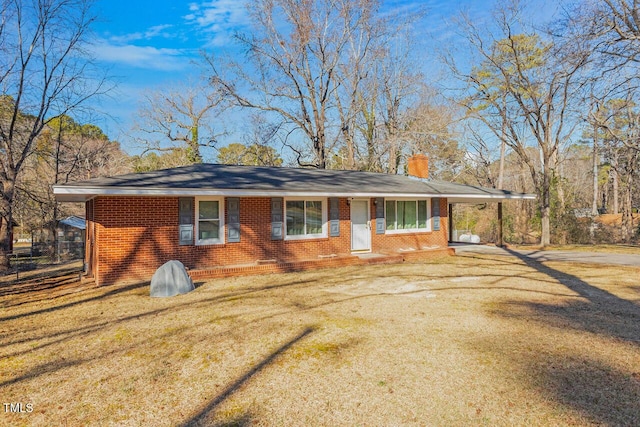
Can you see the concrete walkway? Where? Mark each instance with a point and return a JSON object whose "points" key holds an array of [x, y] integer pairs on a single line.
{"points": [[539, 255]]}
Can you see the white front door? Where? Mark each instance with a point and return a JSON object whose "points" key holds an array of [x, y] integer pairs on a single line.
{"points": [[360, 226]]}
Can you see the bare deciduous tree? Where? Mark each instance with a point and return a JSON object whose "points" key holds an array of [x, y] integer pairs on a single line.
{"points": [[614, 28], [522, 90], [181, 118], [254, 155], [294, 57], [65, 151], [619, 121], [45, 72]]}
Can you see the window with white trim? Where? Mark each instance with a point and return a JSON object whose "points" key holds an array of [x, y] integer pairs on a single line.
{"points": [[209, 221], [407, 216], [305, 218]]}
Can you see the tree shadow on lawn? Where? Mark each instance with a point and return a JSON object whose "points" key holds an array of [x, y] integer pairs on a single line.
{"points": [[54, 363], [240, 421], [110, 291], [599, 311], [201, 417], [87, 331], [570, 383], [83, 332], [591, 369], [597, 390]]}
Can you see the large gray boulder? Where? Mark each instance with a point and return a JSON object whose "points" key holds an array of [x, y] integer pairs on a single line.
{"points": [[171, 279]]}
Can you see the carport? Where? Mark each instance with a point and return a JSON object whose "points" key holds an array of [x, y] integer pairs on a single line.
{"points": [[483, 195]]}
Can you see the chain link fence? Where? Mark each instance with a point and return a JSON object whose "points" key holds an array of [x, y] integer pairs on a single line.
{"points": [[26, 256]]}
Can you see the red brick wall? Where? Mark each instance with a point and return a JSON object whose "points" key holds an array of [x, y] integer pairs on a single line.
{"points": [[135, 235], [391, 243]]}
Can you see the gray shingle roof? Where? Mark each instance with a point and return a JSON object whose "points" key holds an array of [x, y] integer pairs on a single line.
{"points": [[215, 179]]}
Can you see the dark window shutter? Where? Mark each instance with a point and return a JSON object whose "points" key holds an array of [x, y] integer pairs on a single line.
{"points": [[233, 219], [435, 212], [276, 218], [185, 215], [380, 226], [334, 217]]}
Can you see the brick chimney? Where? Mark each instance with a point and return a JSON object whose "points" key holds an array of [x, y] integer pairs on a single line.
{"points": [[418, 166]]}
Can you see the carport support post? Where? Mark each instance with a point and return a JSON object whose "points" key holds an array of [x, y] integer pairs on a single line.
{"points": [[500, 241]]}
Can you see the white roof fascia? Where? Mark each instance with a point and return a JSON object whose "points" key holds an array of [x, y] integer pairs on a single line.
{"points": [[487, 198], [85, 193]]}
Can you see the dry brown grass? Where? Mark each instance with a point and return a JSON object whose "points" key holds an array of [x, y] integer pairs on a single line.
{"points": [[614, 219], [612, 249], [471, 340]]}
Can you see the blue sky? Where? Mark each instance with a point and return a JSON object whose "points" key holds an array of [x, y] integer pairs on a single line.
{"points": [[147, 44]]}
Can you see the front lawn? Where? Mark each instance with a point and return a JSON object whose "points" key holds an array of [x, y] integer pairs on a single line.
{"points": [[611, 249], [467, 340]]}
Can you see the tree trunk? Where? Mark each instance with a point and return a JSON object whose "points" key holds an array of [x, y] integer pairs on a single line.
{"points": [[53, 250], [501, 171], [5, 236], [53, 229], [372, 161], [562, 203], [503, 143], [615, 190], [193, 146], [627, 209], [350, 160], [6, 228], [320, 140], [594, 205], [368, 132], [545, 208], [320, 152], [393, 154], [545, 238]]}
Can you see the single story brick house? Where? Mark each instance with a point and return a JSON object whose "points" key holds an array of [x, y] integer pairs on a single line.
{"points": [[212, 217]]}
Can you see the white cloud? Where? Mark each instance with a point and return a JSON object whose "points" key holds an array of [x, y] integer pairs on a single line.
{"points": [[219, 19], [159, 31], [152, 32], [148, 57]]}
